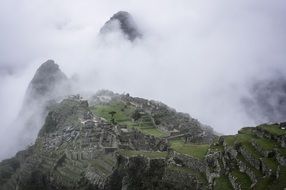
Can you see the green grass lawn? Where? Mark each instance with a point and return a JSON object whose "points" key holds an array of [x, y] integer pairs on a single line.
{"points": [[153, 131], [123, 112], [222, 183], [149, 154], [123, 116], [195, 150]]}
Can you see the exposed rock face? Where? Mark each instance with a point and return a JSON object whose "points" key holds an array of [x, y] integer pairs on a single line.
{"points": [[48, 85], [49, 82], [78, 147], [125, 23], [251, 159], [81, 146]]}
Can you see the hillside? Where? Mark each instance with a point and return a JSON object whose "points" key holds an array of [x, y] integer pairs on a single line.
{"points": [[254, 158], [117, 141], [82, 145]]}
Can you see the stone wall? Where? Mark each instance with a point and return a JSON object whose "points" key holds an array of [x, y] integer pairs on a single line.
{"points": [[189, 161], [256, 163]]}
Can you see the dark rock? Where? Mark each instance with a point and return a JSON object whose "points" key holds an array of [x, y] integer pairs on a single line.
{"points": [[126, 25], [48, 83]]}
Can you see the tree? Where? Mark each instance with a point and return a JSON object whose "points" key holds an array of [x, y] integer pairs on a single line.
{"points": [[112, 113]]}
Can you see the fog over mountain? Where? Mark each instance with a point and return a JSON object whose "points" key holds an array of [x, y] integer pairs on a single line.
{"points": [[222, 62]]}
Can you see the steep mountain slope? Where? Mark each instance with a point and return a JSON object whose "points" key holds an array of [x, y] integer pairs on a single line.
{"points": [[116, 141], [123, 22], [82, 146], [49, 82], [119, 142], [48, 85], [254, 158]]}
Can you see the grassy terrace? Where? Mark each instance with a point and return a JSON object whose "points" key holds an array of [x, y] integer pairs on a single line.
{"points": [[266, 144], [250, 149], [268, 182], [244, 138], [98, 165], [240, 138], [246, 130], [263, 183], [229, 140], [195, 150], [256, 172], [216, 147], [242, 179], [123, 112], [271, 163], [149, 154], [269, 145], [123, 116], [273, 129], [281, 182], [200, 176], [222, 183]]}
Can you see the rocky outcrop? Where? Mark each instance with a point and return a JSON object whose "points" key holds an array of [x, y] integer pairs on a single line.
{"points": [[188, 161], [49, 82], [123, 22]]}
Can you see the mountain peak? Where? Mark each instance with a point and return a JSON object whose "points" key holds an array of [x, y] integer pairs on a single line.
{"points": [[126, 24], [46, 81], [48, 66]]}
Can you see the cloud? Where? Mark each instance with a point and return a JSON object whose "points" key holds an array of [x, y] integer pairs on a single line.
{"points": [[199, 57]]}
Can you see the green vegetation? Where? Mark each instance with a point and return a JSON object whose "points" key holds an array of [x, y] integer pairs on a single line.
{"points": [[274, 129], [266, 144], [263, 183], [246, 130], [123, 114], [222, 183], [195, 150], [149, 154], [7, 169], [153, 131], [256, 172], [270, 163], [215, 147], [251, 150], [244, 138], [281, 182], [229, 140], [242, 179], [201, 176], [122, 111], [65, 113], [270, 183], [100, 166]]}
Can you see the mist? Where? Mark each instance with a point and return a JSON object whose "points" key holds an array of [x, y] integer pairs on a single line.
{"points": [[199, 57]]}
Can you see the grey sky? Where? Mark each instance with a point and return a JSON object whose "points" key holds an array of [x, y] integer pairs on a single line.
{"points": [[199, 57]]}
